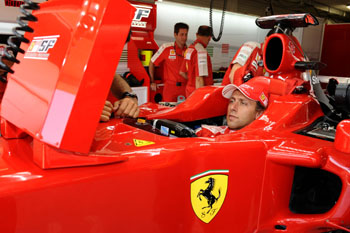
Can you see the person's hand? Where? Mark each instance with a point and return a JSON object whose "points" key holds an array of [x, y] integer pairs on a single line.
{"points": [[107, 111], [153, 86], [126, 107]]}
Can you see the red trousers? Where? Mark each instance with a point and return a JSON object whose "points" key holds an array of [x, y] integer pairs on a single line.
{"points": [[171, 91]]}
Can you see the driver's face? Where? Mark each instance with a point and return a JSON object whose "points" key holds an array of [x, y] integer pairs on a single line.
{"points": [[241, 111]]}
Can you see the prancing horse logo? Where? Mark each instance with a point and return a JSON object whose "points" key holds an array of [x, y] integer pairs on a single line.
{"points": [[208, 195], [208, 192]]}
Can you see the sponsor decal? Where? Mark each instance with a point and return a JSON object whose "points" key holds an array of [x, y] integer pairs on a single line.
{"points": [[172, 57], [255, 65], [291, 47], [243, 56], [315, 80], [263, 98], [208, 192], [172, 52], [245, 86], [40, 47], [258, 58], [142, 11], [281, 78], [164, 130], [202, 58], [139, 143], [188, 53], [13, 3]]}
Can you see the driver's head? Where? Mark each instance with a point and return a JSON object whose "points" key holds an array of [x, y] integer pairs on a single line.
{"points": [[247, 101]]}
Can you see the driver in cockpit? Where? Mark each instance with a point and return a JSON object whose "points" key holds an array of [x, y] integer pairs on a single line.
{"points": [[247, 102]]}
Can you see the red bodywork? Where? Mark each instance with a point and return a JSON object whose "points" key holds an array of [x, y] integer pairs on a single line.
{"points": [[116, 177]]}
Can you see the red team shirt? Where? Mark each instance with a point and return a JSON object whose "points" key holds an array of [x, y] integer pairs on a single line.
{"points": [[197, 63], [171, 56], [213, 130], [248, 56]]}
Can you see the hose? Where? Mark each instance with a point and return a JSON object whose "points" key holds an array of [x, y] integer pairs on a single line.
{"points": [[216, 39]]}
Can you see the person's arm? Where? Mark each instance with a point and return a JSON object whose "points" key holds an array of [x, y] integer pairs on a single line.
{"points": [[202, 66], [119, 86], [126, 106], [183, 70], [233, 70], [151, 69], [199, 82], [184, 75]]}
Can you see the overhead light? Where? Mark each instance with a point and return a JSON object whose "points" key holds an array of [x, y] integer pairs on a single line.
{"points": [[348, 5]]}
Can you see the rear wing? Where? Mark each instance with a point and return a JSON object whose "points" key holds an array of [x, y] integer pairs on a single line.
{"points": [[291, 21]]}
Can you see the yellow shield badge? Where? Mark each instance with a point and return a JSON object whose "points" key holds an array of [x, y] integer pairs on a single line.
{"points": [[208, 192]]}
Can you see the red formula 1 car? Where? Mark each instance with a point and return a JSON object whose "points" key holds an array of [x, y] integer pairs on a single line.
{"points": [[62, 171]]}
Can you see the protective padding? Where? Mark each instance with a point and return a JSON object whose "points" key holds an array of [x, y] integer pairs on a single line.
{"points": [[58, 90]]}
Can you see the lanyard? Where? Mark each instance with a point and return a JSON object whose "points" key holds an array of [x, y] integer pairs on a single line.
{"points": [[180, 55]]}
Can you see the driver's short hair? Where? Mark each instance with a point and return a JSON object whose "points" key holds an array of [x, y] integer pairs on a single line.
{"points": [[259, 107]]}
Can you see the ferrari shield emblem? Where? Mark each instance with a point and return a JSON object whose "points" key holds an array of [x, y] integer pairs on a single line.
{"points": [[208, 192]]}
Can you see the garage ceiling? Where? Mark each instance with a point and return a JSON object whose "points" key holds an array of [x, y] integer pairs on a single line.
{"points": [[333, 11]]}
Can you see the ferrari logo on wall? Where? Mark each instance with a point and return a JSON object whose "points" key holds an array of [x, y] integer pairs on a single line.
{"points": [[208, 192]]}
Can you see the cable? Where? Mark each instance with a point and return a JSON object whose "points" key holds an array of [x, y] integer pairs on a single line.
{"points": [[222, 19]]}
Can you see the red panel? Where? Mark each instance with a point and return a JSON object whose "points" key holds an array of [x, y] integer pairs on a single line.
{"points": [[53, 93], [336, 50], [205, 102], [342, 138]]}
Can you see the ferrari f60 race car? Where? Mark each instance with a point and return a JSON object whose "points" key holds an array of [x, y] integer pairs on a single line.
{"points": [[63, 171]]}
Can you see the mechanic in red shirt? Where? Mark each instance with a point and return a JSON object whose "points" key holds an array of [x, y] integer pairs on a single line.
{"points": [[170, 56], [197, 66], [248, 101], [246, 63]]}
